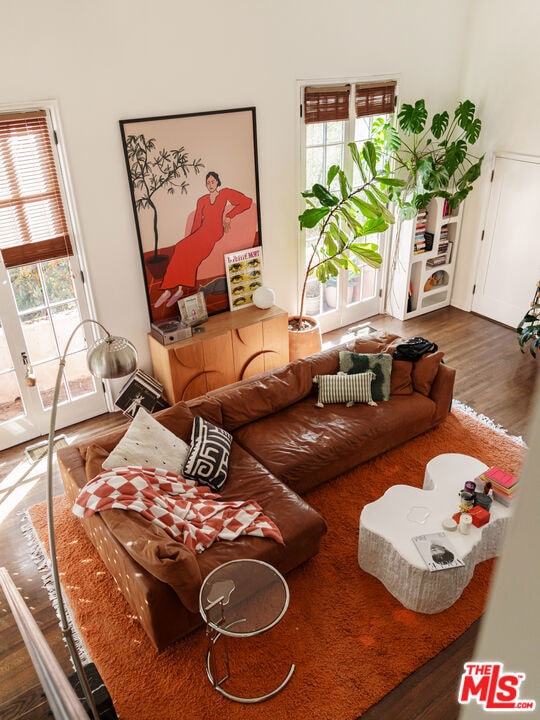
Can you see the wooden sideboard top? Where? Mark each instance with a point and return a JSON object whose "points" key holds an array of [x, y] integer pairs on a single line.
{"points": [[222, 323]]}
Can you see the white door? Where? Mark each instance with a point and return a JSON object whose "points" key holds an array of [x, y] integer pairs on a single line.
{"points": [[509, 263], [42, 297]]}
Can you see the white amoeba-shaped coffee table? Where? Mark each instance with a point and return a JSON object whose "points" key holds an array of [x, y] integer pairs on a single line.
{"points": [[387, 526]]}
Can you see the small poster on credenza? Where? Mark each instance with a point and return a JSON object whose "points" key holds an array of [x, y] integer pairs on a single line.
{"points": [[244, 275]]}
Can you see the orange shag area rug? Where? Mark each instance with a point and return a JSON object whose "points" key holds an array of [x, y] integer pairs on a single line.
{"points": [[351, 641]]}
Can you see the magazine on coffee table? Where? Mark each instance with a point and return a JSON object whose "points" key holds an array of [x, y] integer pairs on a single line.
{"points": [[437, 551]]}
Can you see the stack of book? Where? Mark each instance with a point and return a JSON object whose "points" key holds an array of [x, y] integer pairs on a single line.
{"points": [[141, 390], [503, 484], [419, 240], [443, 240]]}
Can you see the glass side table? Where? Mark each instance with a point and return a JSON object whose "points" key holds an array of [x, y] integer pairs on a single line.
{"points": [[240, 599]]}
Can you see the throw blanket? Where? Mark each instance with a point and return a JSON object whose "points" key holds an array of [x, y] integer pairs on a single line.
{"points": [[190, 513]]}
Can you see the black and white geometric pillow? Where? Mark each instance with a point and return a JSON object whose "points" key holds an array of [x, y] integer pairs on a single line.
{"points": [[208, 458]]}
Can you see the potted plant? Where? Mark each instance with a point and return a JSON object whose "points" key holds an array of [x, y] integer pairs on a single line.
{"points": [[342, 216], [433, 157], [528, 329]]}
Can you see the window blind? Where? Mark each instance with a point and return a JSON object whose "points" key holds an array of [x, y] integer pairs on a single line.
{"points": [[325, 104], [374, 98], [33, 225]]}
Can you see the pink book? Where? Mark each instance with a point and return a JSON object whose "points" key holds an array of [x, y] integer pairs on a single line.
{"points": [[500, 477]]}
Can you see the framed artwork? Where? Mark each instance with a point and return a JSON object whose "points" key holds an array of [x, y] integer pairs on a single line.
{"points": [[244, 276], [195, 194]]}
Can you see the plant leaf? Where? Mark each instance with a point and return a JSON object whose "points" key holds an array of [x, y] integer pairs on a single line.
{"points": [[465, 114], [473, 131], [412, 119], [324, 196], [439, 124], [310, 217], [370, 156]]}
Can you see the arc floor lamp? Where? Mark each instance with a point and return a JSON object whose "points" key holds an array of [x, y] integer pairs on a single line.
{"points": [[108, 357]]}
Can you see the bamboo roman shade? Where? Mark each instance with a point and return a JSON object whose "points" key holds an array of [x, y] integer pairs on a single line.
{"points": [[33, 226], [325, 104], [374, 98]]}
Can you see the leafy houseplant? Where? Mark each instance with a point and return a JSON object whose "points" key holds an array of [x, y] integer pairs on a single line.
{"points": [[342, 217], [433, 159], [528, 329], [152, 170]]}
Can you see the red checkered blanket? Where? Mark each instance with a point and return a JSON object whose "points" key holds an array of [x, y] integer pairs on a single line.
{"points": [[190, 513]]}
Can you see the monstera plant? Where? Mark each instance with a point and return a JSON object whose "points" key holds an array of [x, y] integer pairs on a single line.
{"points": [[528, 329], [343, 217], [432, 156]]}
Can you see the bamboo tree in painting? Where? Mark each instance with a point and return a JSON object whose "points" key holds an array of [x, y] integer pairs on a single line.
{"points": [[433, 158], [152, 170], [344, 216]]}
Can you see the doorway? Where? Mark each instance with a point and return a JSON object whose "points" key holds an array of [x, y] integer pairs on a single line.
{"points": [[42, 295], [509, 262]]}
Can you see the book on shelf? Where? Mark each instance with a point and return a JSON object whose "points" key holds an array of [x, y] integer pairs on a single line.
{"points": [[437, 551], [434, 262], [140, 390]]}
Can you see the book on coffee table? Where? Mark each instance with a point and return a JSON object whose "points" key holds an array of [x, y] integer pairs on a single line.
{"points": [[437, 551]]}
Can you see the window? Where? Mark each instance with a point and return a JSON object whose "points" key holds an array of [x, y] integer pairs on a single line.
{"points": [[334, 116]]}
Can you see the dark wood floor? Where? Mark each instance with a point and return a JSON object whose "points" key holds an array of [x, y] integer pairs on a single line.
{"points": [[493, 377]]}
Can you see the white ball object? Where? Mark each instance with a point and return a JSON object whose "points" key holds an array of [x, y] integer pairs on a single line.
{"points": [[263, 297]]}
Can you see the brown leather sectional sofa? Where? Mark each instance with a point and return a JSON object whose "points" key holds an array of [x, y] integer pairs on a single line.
{"points": [[284, 445]]}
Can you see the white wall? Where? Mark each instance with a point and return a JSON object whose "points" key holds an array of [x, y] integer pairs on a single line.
{"points": [[108, 60], [501, 77]]}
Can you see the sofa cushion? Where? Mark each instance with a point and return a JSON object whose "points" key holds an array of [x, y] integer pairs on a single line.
{"points": [[150, 444], [208, 460], [264, 394], [380, 364], [401, 378], [425, 370], [343, 388]]}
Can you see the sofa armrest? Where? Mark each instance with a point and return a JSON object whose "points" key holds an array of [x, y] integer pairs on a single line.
{"points": [[442, 391]]}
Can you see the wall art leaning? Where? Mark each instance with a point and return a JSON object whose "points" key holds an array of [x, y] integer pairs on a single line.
{"points": [[195, 193]]}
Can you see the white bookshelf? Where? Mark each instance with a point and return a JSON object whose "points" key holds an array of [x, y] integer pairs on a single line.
{"points": [[423, 274]]}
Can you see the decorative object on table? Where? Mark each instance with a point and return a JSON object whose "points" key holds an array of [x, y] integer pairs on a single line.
{"points": [[264, 297], [141, 390], [528, 329], [465, 522], [193, 309], [108, 357], [194, 188], [244, 276], [437, 551], [170, 331], [503, 485]]}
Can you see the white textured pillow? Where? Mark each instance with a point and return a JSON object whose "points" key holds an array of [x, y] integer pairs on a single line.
{"points": [[149, 444]]}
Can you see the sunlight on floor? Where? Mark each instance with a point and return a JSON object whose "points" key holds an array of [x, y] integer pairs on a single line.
{"points": [[18, 483]]}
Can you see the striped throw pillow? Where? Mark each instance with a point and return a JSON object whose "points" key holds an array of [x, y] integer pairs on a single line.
{"points": [[342, 388]]}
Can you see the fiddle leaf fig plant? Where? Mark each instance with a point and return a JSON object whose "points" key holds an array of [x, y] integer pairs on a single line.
{"points": [[433, 157], [343, 216]]}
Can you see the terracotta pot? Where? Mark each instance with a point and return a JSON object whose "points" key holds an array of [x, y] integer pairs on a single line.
{"points": [[304, 342]]}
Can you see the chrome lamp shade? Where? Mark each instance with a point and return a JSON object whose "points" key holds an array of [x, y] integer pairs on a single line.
{"points": [[111, 357]]}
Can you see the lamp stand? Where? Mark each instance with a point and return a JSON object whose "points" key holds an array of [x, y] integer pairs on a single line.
{"points": [[121, 365]]}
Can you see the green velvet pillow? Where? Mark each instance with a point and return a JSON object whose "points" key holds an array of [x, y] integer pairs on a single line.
{"points": [[380, 364]]}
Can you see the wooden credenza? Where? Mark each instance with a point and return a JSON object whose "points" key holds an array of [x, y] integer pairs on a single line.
{"points": [[233, 346]]}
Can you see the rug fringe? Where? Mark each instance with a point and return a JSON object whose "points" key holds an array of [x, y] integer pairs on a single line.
{"points": [[487, 421], [43, 565]]}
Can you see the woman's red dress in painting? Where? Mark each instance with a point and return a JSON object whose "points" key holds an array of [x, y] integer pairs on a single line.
{"points": [[207, 230]]}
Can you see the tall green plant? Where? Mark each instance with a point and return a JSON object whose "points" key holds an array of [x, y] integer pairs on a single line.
{"points": [[344, 215], [433, 156]]}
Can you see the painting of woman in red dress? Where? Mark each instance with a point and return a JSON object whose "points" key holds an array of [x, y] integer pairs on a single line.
{"points": [[214, 214]]}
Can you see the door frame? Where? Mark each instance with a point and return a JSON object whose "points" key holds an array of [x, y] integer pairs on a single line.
{"points": [[25, 428]]}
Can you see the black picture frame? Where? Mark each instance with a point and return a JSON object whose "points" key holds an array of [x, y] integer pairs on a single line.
{"points": [[173, 163]]}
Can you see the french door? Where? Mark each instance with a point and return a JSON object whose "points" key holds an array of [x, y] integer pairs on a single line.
{"points": [[42, 296], [349, 297]]}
